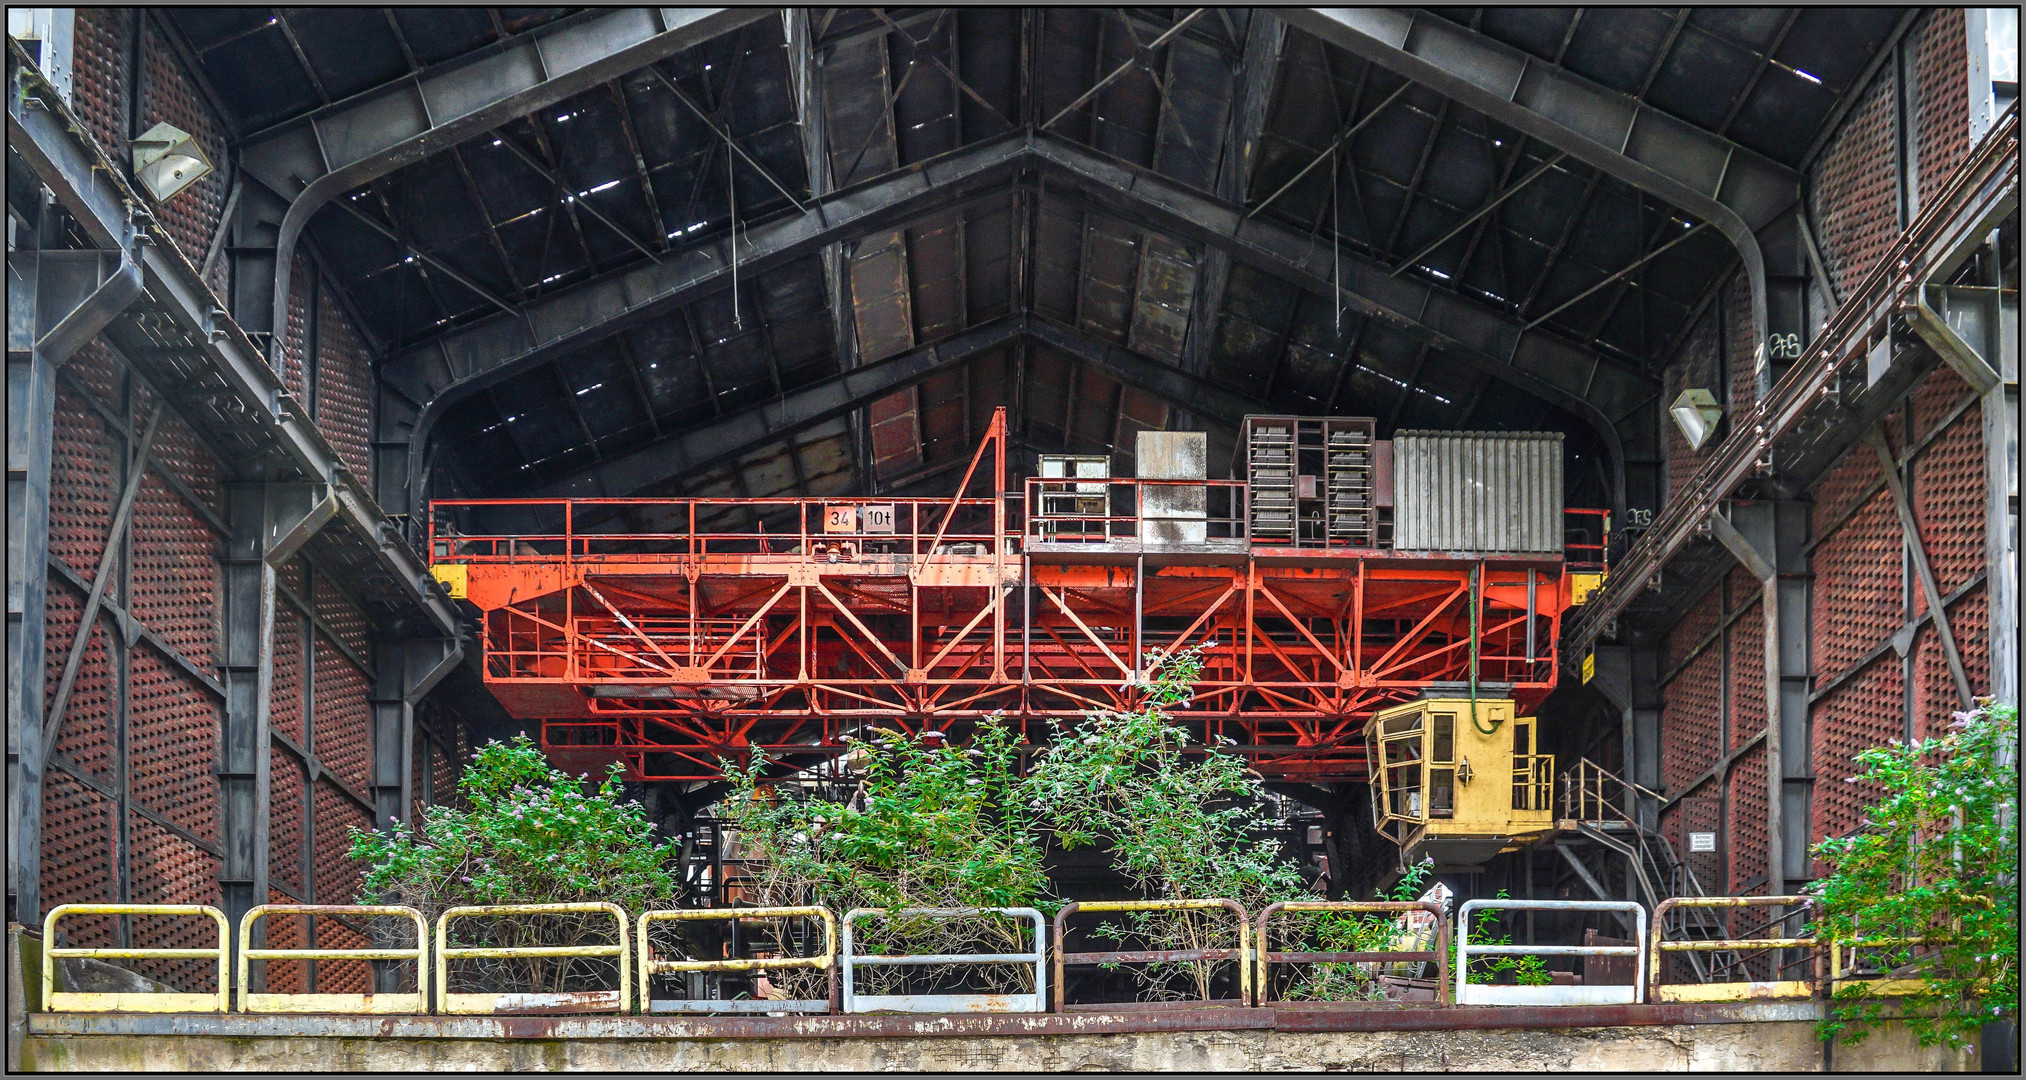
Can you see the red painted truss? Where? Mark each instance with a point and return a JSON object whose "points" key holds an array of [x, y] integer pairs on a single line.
{"points": [[680, 646]]}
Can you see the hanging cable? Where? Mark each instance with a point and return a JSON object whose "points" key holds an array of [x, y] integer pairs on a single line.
{"points": [[1336, 247], [732, 199], [1476, 596]]}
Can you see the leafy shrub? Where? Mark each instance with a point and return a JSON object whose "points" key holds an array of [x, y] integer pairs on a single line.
{"points": [[532, 834], [1526, 970], [928, 827], [1180, 825], [1938, 859], [1335, 931]]}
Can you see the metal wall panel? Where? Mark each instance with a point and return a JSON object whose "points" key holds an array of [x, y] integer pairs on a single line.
{"points": [[1477, 491], [1173, 455]]}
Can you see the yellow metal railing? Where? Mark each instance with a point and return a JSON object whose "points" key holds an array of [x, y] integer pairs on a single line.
{"points": [[1883, 986], [1242, 954], [1266, 957], [619, 1000], [416, 1002], [174, 1002], [1725, 991], [650, 966]]}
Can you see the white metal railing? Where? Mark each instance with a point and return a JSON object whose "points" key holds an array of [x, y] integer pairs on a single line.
{"points": [[1480, 994], [942, 1003]]}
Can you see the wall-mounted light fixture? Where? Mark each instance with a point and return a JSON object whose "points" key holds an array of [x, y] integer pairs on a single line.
{"points": [[1696, 413], [167, 160]]}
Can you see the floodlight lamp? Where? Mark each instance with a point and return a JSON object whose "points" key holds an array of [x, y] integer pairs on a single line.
{"points": [[1696, 413], [167, 160]]}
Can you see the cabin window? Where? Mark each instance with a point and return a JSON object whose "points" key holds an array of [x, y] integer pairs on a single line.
{"points": [[1441, 793], [1445, 739]]}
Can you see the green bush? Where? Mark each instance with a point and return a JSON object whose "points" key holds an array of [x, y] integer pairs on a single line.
{"points": [[1938, 858], [929, 826], [531, 834], [1181, 824]]}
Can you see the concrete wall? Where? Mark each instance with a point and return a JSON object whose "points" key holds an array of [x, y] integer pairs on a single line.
{"points": [[1776, 1038]]}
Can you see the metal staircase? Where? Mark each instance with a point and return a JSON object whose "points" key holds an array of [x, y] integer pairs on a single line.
{"points": [[1594, 802]]}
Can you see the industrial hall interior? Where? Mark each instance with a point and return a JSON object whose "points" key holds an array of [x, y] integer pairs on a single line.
{"points": [[631, 537]]}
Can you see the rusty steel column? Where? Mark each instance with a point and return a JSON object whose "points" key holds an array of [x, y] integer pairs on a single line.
{"points": [[270, 523], [57, 300], [1768, 539]]}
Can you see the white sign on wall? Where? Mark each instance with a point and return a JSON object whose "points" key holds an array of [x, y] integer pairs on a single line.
{"points": [[1701, 841]]}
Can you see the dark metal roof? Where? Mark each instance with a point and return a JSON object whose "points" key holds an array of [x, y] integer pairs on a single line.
{"points": [[636, 171]]}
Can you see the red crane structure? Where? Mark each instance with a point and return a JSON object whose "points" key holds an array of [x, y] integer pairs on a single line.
{"points": [[680, 647]]}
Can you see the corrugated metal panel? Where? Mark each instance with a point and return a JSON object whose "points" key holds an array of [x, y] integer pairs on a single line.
{"points": [[1477, 491]]}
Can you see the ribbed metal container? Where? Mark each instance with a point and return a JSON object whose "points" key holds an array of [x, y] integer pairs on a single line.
{"points": [[1477, 491]]}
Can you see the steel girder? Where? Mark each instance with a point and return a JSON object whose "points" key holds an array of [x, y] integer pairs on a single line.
{"points": [[1735, 189], [420, 383], [217, 381], [56, 301], [853, 390], [315, 159], [743, 432], [1264, 38], [1856, 370], [740, 433]]}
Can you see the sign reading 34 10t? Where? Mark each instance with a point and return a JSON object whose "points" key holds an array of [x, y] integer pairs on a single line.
{"points": [[870, 518]]}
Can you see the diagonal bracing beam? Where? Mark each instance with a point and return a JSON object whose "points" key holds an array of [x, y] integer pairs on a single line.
{"points": [[314, 160], [1715, 179], [423, 382]]}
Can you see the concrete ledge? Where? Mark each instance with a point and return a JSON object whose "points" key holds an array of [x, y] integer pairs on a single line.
{"points": [[1755, 1037], [1123, 1021]]}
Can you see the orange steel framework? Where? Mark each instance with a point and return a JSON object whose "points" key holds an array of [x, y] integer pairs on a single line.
{"points": [[678, 650]]}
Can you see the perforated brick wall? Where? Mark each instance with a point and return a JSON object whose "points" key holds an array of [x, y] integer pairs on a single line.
{"points": [[343, 719], [294, 363], [168, 870], [285, 932], [1747, 661], [175, 571], [1853, 190], [86, 737], [168, 93], [1740, 345], [285, 820], [1862, 712], [1699, 365], [1691, 723], [285, 688], [101, 40], [337, 875], [342, 619], [173, 746], [1942, 80], [1746, 836], [344, 387], [77, 853]]}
